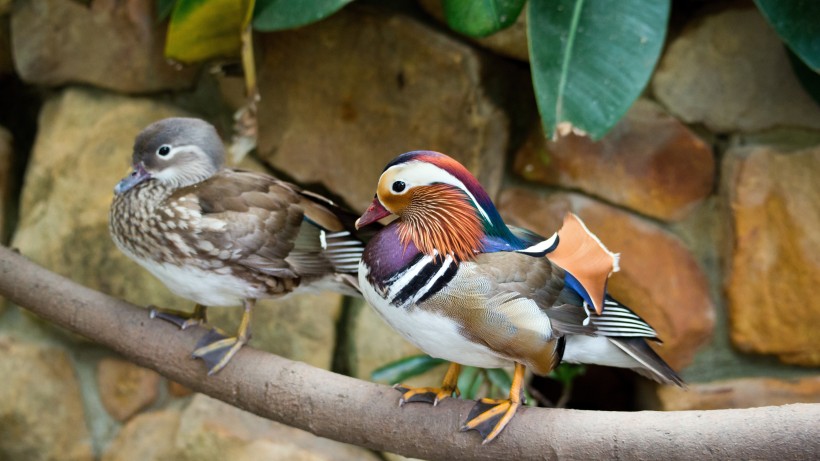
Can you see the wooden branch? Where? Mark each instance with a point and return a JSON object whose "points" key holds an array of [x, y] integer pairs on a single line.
{"points": [[367, 414]]}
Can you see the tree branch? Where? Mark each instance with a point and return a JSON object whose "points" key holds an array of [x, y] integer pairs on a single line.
{"points": [[367, 414]]}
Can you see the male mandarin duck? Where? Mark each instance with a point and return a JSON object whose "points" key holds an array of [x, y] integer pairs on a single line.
{"points": [[225, 237], [461, 285]]}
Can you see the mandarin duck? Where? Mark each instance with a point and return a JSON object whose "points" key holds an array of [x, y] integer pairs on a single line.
{"points": [[463, 286], [225, 237]]}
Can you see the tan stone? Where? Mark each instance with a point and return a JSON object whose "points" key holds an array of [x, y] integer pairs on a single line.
{"points": [[659, 278], [774, 260], [125, 388], [147, 437], [649, 162], [740, 393], [110, 44], [41, 410], [730, 72], [510, 42], [344, 96], [212, 430], [176, 389], [83, 148]]}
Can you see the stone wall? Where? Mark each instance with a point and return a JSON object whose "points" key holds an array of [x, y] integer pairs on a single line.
{"points": [[706, 187]]}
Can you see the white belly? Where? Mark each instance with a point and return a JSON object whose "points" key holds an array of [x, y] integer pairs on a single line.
{"points": [[436, 335], [209, 288]]}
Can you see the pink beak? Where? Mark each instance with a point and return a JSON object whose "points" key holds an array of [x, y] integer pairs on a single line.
{"points": [[373, 213]]}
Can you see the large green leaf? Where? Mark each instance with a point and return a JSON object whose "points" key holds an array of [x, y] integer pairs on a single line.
{"points": [[407, 367], [479, 18], [271, 15], [204, 29], [808, 78], [797, 22], [164, 8], [590, 60]]}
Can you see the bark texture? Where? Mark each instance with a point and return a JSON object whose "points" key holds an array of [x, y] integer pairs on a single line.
{"points": [[367, 414]]}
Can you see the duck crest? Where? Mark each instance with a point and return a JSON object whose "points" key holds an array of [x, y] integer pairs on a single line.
{"points": [[440, 221]]}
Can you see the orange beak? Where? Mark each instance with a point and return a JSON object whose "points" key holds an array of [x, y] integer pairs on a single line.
{"points": [[373, 213]]}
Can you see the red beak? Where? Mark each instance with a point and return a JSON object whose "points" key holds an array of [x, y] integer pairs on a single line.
{"points": [[373, 213]]}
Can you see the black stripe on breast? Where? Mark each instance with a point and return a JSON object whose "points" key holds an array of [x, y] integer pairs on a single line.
{"points": [[415, 284], [559, 350], [441, 282]]}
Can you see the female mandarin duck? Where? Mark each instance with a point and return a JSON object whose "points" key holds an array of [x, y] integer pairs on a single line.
{"points": [[461, 285], [225, 237]]}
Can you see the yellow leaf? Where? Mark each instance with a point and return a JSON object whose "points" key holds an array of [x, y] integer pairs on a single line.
{"points": [[204, 29]]}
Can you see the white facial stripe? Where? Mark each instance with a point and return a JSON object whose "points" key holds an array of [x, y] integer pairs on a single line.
{"points": [[175, 175], [418, 173], [190, 147]]}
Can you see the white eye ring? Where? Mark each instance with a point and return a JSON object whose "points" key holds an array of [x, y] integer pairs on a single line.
{"points": [[164, 150]]}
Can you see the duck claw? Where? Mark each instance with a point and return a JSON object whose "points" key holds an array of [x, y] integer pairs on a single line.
{"points": [[431, 395], [181, 319]]}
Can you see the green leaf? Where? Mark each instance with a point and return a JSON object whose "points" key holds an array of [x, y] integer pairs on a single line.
{"points": [[567, 372], [797, 22], [500, 378], [204, 29], [479, 18], [407, 367], [809, 79], [590, 60], [271, 15], [469, 382]]}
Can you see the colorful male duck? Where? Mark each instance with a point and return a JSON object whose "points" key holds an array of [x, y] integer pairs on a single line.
{"points": [[461, 285]]}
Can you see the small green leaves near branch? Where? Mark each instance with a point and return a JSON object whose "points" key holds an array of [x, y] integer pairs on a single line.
{"points": [[407, 367], [473, 382], [271, 15], [480, 18], [797, 22], [590, 60]]}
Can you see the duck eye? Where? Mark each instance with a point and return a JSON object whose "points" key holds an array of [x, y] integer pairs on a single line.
{"points": [[164, 150], [399, 186]]}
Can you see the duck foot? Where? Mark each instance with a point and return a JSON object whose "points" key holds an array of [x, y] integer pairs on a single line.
{"points": [[432, 395], [216, 350], [489, 417], [181, 319]]}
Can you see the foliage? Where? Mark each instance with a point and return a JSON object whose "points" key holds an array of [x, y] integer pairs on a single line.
{"points": [[589, 60], [479, 18], [473, 382], [796, 22]]}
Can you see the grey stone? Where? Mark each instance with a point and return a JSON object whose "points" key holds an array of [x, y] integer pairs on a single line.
{"points": [[111, 44], [730, 72], [342, 97]]}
